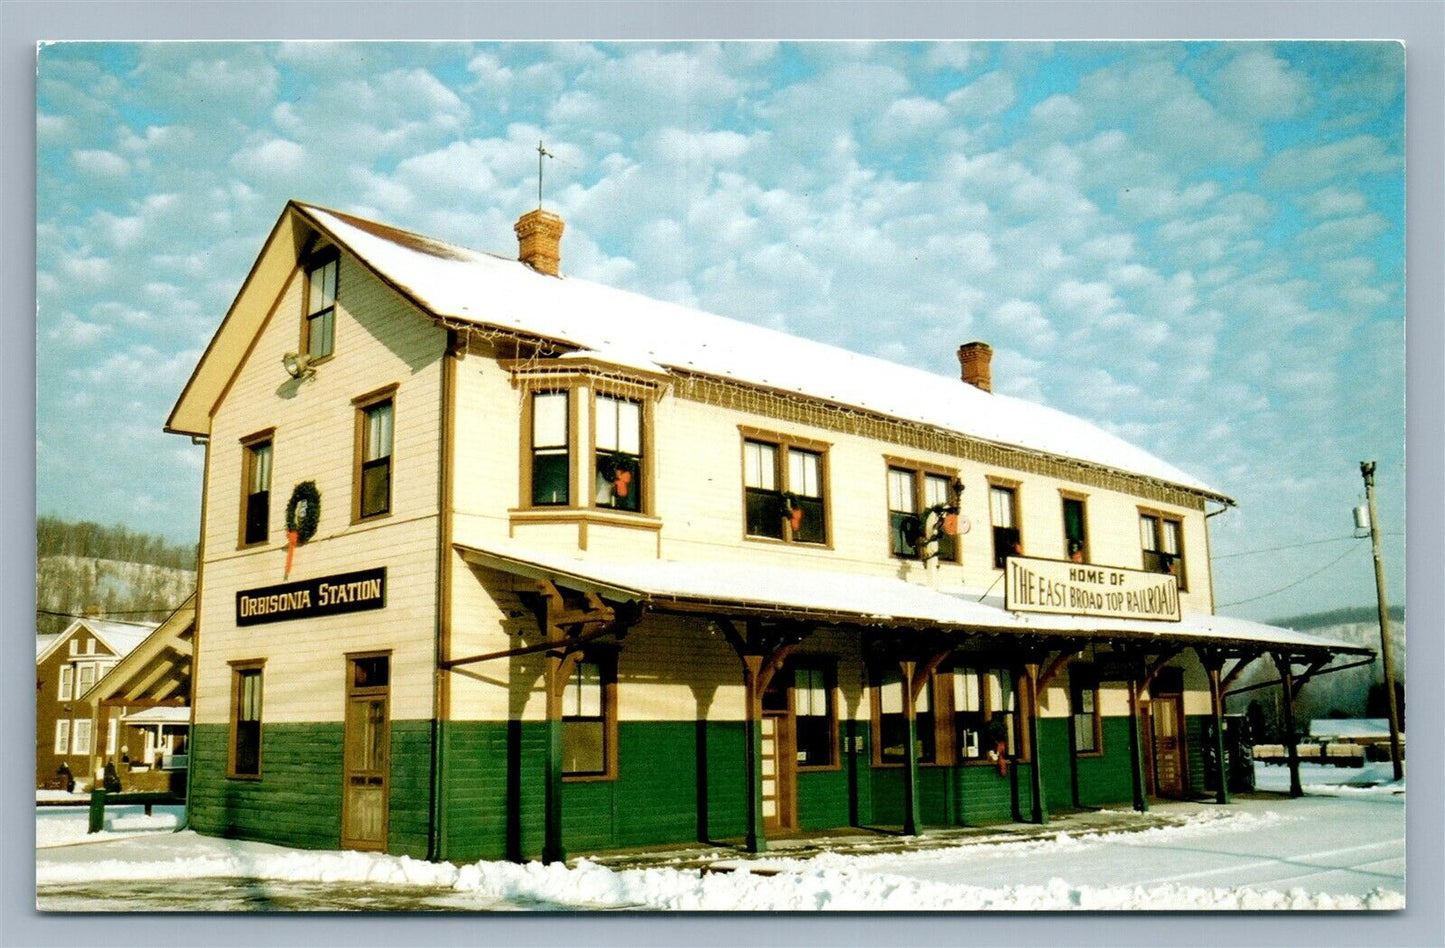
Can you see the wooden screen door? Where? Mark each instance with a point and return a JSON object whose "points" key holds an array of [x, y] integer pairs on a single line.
{"points": [[368, 754], [778, 771], [1168, 746]]}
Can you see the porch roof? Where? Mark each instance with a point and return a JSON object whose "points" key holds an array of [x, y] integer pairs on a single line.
{"points": [[734, 588]]}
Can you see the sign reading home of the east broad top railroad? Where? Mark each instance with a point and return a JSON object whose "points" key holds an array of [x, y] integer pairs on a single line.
{"points": [[322, 596], [1083, 589]]}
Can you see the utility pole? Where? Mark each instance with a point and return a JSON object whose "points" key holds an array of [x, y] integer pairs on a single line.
{"points": [[1367, 470]]}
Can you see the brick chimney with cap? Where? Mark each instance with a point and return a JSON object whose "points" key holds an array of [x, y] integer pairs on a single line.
{"points": [[973, 360], [539, 240]]}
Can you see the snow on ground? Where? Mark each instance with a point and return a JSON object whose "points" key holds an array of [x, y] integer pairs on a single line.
{"points": [[1327, 850], [63, 826]]}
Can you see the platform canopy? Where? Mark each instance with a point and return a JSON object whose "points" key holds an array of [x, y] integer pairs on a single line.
{"points": [[768, 590]]}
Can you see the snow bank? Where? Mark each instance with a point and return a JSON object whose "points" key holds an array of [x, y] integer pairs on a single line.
{"points": [[63, 827]]}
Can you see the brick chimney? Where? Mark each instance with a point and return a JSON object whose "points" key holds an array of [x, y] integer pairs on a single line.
{"points": [[539, 239], [973, 360]]}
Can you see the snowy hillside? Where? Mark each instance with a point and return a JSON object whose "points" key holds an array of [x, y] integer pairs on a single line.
{"points": [[69, 585]]}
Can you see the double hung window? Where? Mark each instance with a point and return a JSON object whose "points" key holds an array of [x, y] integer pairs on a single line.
{"points": [[1084, 706], [375, 425], [813, 713], [81, 741], [1162, 541], [245, 720], [892, 736], [67, 682], [1004, 515], [985, 713], [1076, 539], [62, 737], [588, 721], [550, 449], [321, 308], [914, 499], [783, 488], [87, 679], [617, 439], [256, 493]]}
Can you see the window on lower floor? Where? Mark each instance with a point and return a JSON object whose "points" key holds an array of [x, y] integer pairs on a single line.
{"points": [[245, 756], [814, 715], [985, 714], [62, 737], [589, 718], [1084, 706], [1161, 540], [80, 742], [892, 726]]}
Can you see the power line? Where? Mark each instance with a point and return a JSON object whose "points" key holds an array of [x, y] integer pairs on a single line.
{"points": [[99, 615], [1240, 602], [1296, 546]]}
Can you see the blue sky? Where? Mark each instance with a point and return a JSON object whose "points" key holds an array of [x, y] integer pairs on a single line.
{"points": [[1199, 246]]}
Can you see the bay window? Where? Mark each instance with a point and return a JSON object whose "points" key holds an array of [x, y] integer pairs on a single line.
{"points": [[550, 450], [617, 441]]}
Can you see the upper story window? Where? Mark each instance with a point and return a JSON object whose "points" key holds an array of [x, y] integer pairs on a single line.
{"points": [[1162, 541], [617, 443], [256, 489], [1076, 532], [87, 680], [916, 499], [783, 487], [374, 431], [550, 449], [320, 324], [67, 682], [1004, 515]]}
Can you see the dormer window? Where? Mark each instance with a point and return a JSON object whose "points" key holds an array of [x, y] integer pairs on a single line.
{"points": [[320, 308]]}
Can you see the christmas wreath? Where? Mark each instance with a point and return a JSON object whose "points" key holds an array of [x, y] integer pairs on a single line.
{"points": [[303, 511]]}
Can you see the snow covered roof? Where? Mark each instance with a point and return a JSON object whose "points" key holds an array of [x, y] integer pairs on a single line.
{"points": [[119, 637], [43, 643], [865, 599], [160, 715], [1350, 727], [459, 284]]}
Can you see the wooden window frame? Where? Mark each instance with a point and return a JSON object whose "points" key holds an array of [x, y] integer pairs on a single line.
{"points": [[76, 748], [606, 660], [310, 263], [1160, 517], [62, 748], [921, 472], [67, 682], [941, 738], [1022, 710], [363, 404], [1014, 487], [784, 443], [529, 450], [249, 444], [240, 668], [80, 687], [646, 494], [1085, 677], [828, 666], [1065, 497]]}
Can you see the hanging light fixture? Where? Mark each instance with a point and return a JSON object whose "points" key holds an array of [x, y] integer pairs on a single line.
{"points": [[298, 366]]}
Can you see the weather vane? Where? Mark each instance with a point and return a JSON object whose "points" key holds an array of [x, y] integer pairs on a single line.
{"points": [[542, 152]]}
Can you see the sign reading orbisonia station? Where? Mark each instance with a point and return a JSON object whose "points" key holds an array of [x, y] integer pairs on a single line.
{"points": [[322, 596], [1063, 587]]}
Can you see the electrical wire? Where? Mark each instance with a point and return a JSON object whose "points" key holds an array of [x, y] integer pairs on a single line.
{"points": [[1296, 546], [1240, 602], [100, 615]]}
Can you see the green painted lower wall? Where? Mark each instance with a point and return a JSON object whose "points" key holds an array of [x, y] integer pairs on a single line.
{"points": [[493, 787], [1194, 754], [297, 800]]}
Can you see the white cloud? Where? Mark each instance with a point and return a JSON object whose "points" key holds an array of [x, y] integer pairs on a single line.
{"points": [[984, 97], [75, 332], [275, 156], [1058, 116], [1312, 165], [100, 164], [1332, 202], [1256, 84], [911, 116]]}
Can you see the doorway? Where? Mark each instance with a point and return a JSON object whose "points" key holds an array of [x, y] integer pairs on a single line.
{"points": [[779, 755], [1166, 724], [367, 752]]}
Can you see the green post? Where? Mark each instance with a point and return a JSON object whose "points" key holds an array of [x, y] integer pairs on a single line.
{"points": [[910, 752], [1036, 772], [97, 810], [1216, 689], [552, 848], [1136, 751]]}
